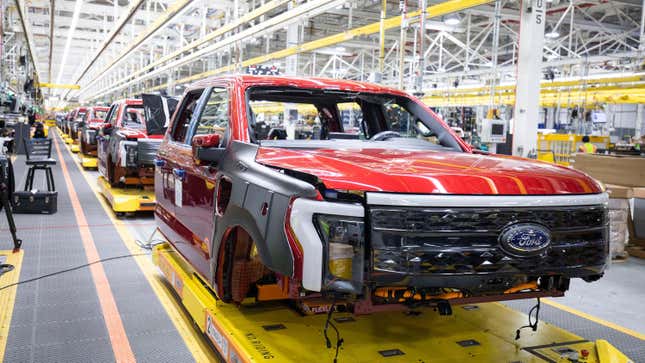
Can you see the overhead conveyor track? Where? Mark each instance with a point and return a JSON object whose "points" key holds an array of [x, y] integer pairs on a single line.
{"points": [[209, 37], [433, 11]]}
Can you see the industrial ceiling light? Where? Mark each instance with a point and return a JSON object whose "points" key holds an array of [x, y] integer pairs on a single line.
{"points": [[552, 34], [341, 49], [452, 20], [70, 35]]}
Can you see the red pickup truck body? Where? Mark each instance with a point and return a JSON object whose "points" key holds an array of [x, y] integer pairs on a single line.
{"points": [[93, 121], [263, 184], [126, 148]]}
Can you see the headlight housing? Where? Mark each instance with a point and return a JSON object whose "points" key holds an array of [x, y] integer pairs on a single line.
{"points": [[128, 150], [344, 251], [90, 136]]}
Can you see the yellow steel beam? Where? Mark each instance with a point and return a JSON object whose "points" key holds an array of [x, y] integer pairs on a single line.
{"points": [[548, 98], [547, 85], [216, 33], [437, 10], [507, 90], [55, 85], [198, 42]]}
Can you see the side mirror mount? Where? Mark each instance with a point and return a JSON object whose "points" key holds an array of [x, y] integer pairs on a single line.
{"points": [[105, 130], [207, 148]]}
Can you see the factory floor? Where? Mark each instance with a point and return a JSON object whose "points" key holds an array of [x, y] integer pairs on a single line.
{"points": [[121, 309]]}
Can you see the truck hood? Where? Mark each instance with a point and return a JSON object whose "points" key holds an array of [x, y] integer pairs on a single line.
{"points": [[428, 171]]}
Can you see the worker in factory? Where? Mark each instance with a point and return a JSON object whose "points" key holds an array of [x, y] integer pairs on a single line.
{"points": [[587, 147]]}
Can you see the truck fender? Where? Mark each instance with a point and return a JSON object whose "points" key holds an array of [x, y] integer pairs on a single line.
{"points": [[260, 197]]}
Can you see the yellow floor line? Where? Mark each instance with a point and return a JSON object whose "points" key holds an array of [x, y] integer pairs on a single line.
{"points": [[606, 323], [194, 340], [8, 296]]}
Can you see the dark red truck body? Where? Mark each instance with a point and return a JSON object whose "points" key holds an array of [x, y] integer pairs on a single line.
{"points": [[125, 147], [416, 220], [93, 121]]}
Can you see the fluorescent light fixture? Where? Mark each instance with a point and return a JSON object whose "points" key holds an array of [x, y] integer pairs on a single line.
{"points": [[552, 34], [452, 20], [70, 35], [341, 49]]}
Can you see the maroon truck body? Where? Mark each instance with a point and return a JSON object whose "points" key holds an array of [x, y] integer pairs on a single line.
{"points": [[263, 184], [125, 148]]}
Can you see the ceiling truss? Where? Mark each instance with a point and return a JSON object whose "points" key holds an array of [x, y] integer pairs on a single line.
{"points": [[122, 48]]}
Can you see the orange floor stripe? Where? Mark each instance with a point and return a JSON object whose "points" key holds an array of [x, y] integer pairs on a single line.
{"points": [[116, 331]]}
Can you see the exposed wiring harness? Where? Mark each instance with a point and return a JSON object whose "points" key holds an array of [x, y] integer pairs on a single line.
{"points": [[532, 324], [328, 323]]}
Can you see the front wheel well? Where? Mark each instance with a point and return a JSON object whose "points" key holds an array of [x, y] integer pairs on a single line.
{"points": [[239, 266]]}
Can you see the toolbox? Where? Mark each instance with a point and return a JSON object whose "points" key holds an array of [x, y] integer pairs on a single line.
{"points": [[34, 202]]}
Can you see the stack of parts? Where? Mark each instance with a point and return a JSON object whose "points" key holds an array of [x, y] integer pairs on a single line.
{"points": [[619, 213], [625, 179], [637, 225], [618, 170]]}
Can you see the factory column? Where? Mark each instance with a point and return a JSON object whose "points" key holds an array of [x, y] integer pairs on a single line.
{"points": [[529, 74]]}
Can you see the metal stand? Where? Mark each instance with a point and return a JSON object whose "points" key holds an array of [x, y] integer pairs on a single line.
{"points": [[6, 205]]}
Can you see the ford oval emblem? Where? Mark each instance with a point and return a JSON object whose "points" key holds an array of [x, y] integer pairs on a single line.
{"points": [[525, 239]]}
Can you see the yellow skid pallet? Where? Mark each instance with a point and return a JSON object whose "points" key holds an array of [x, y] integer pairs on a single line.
{"points": [[127, 200], [272, 331], [89, 162], [75, 148], [69, 140], [8, 295]]}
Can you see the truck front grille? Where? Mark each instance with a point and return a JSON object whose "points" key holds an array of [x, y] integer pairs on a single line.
{"points": [[147, 151], [415, 240]]}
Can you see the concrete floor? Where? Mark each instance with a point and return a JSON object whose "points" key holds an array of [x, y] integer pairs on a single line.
{"points": [[617, 298]]}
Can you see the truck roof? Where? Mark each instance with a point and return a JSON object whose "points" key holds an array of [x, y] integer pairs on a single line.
{"points": [[130, 101], [301, 82]]}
